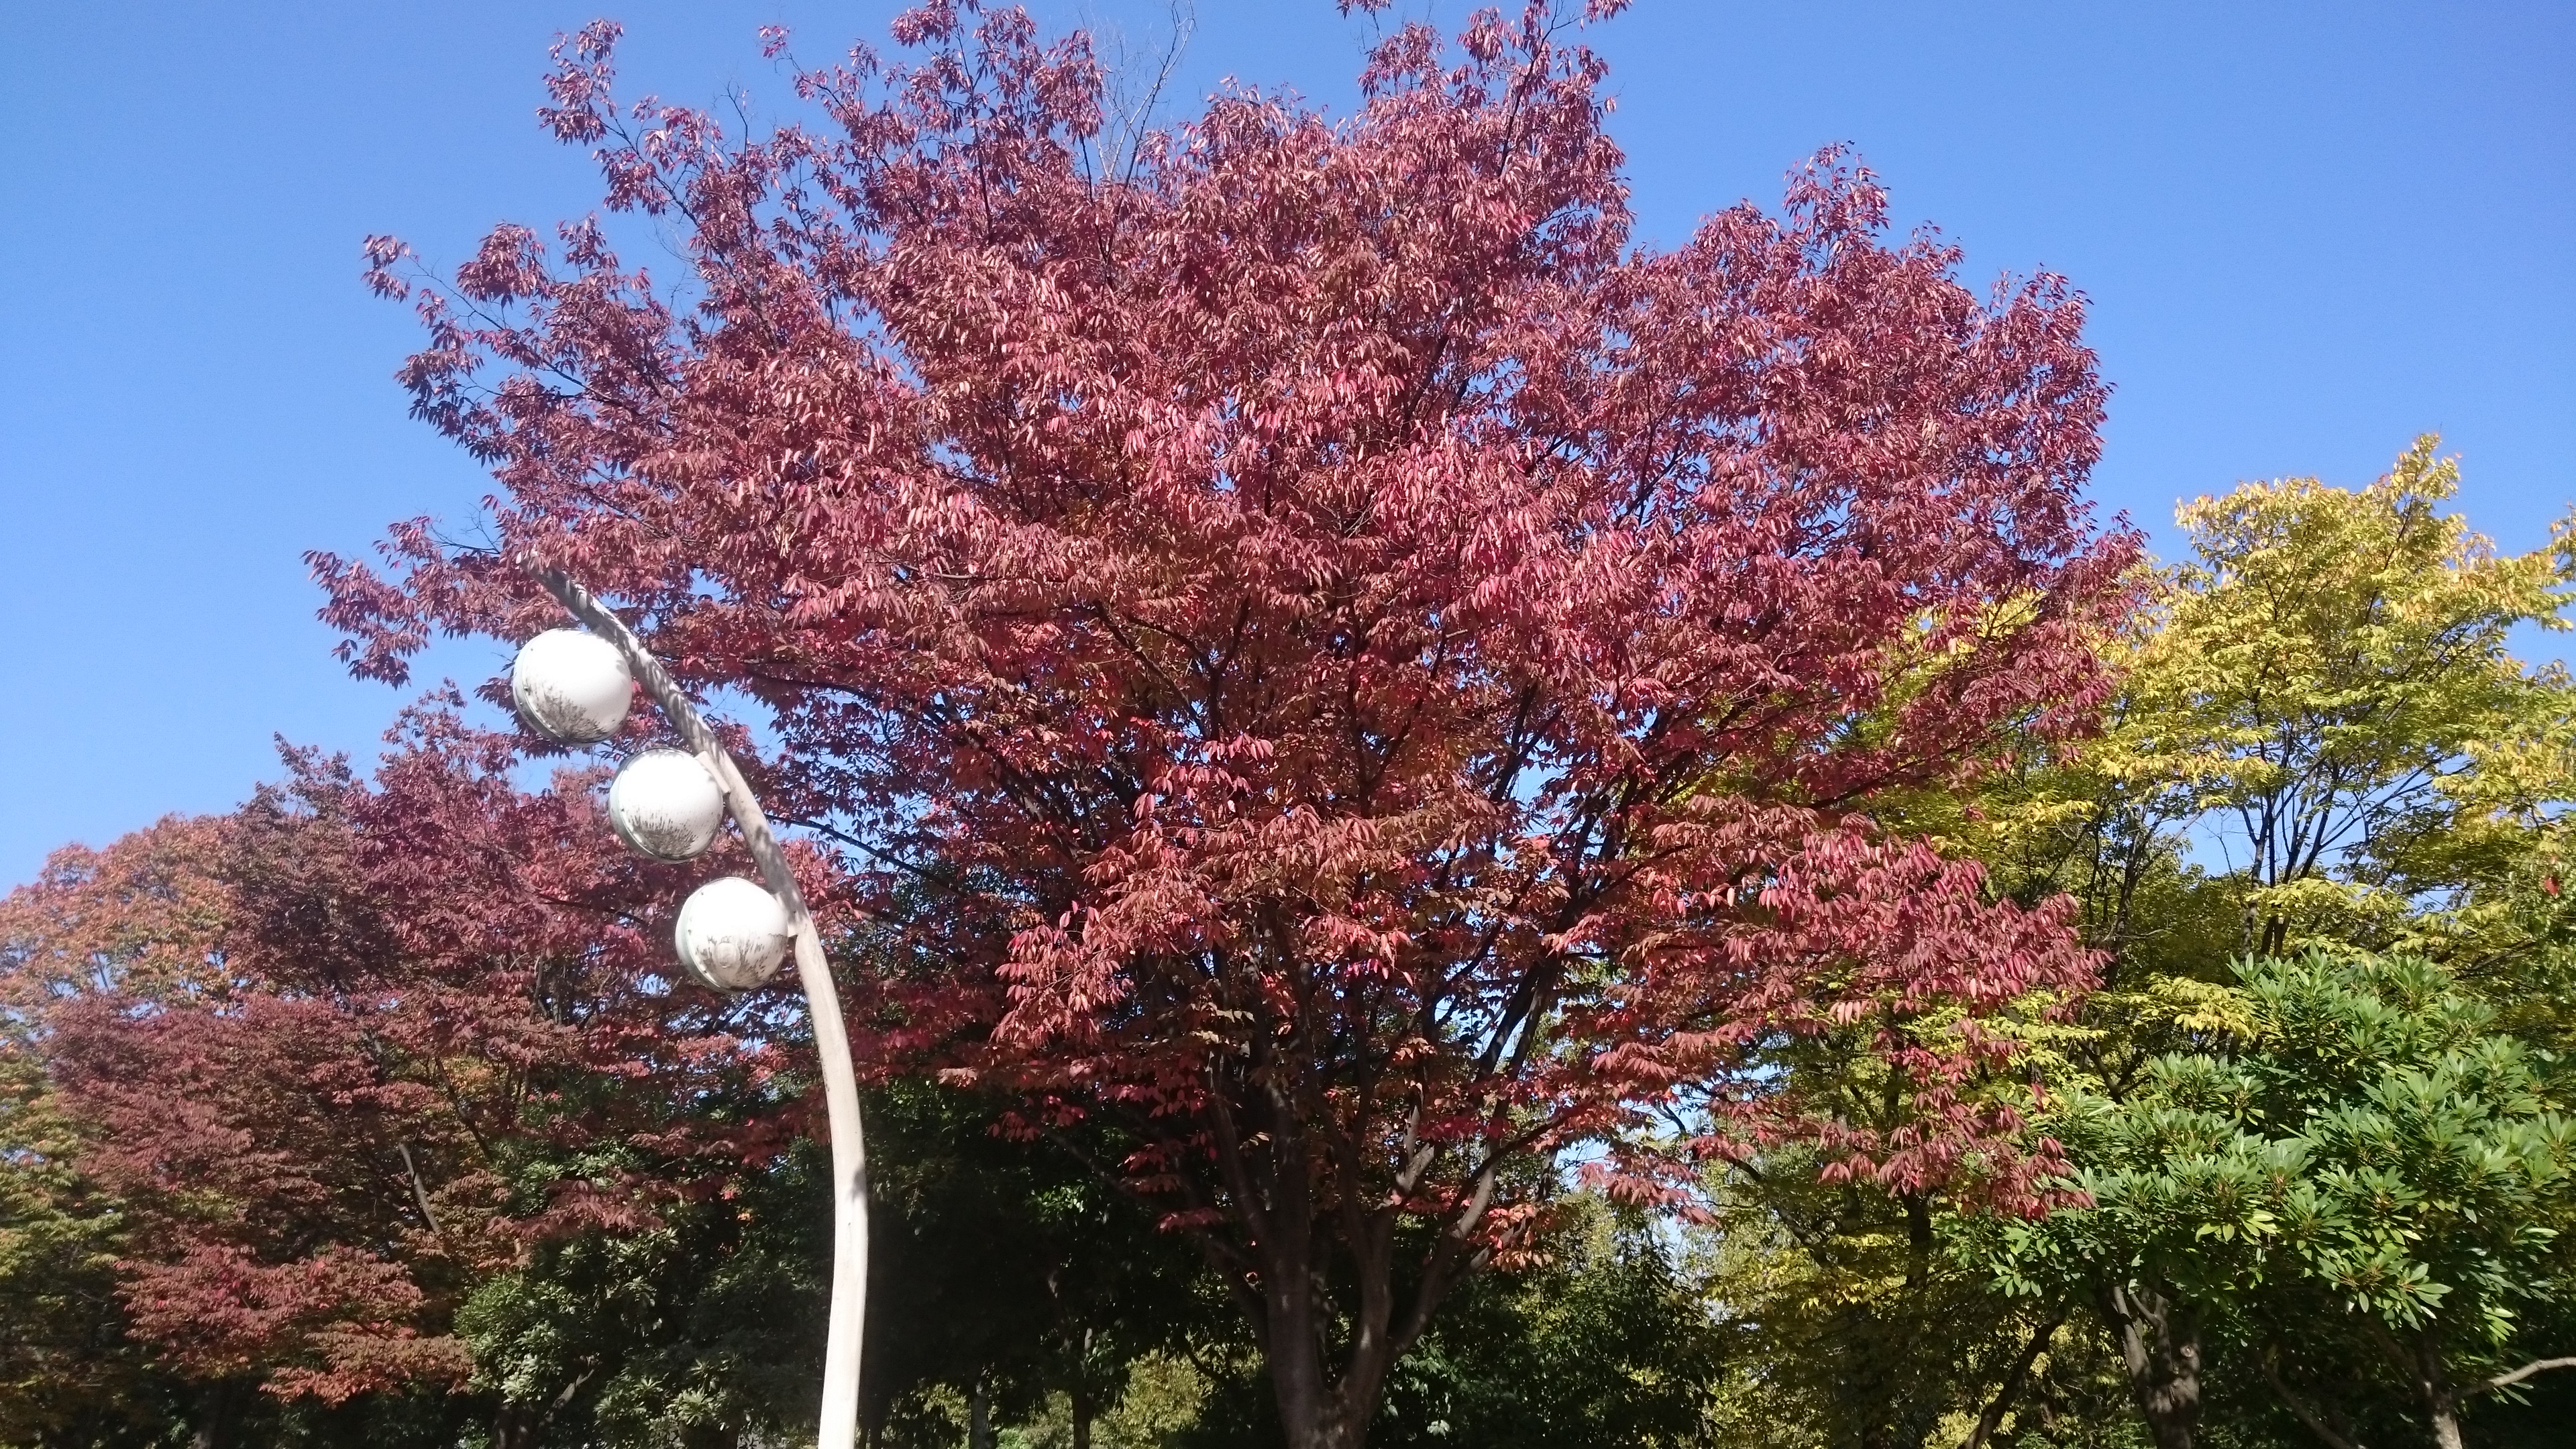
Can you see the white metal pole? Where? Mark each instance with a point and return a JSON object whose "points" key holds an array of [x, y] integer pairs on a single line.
{"points": [[849, 1312]]}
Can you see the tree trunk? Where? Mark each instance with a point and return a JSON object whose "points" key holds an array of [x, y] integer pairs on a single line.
{"points": [[1293, 1349], [1315, 1411], [2160, 1348], [1327, 1394], [979, 1416], [1319, 1409], [1885, 1377], [1993, 1417], [1081, 1419], [2446, 1423], [214, 1418], [2441, 1401]]}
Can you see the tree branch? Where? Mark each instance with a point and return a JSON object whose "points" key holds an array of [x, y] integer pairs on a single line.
{"points": [[2298, 1407], [2536, 1366]]}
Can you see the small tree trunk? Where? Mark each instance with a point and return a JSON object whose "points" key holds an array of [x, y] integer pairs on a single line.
{"points": [[1081, 1418], [1292, 1338], [1322, 1405], [1993, 1418], [2446, 1423], [1317, 1408], [2160, 1348], [979, 1416], [214, 1418], [2441, 1402], [1293, 1352]]}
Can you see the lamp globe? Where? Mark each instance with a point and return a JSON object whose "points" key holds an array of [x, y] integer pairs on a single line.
{"points": [[571, 687], [732, 934], [665, 804]]}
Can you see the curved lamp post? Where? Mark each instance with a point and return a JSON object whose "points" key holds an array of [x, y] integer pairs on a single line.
{"points": [[731, 933]]}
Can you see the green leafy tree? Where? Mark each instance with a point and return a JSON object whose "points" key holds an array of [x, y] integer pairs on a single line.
{"points": [[2441, 1176], [2320, 721], [701, 1328], [2321, 737], [1854, 1316], [1608, 1339], [1010, 1265], [68, 1373], [1609, 1342], [2364, 1195]]}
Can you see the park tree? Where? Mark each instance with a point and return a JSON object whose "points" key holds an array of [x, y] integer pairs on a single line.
{"points": [[2321, 733], [2361, 1191], [1340, 660], [342, 1056], [132, 919], [1008, 1272], [2321, 738], [2333, 680], [69, 1371]]}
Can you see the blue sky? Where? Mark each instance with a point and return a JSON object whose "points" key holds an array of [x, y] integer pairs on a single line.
{"points": [[2308, 231]]}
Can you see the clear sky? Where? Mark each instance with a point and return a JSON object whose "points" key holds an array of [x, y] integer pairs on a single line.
{"points": [[2309, 231]]}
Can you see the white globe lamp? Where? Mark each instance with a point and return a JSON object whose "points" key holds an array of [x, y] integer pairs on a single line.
{"points": [[732, 934], [666, 804], [570, 686]]}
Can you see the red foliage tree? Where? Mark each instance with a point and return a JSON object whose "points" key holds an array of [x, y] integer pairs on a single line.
{"points": [[1340, 657], [333, 1051]]}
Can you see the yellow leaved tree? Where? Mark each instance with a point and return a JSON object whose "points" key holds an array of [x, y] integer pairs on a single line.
{"points": [[2322, 739]]}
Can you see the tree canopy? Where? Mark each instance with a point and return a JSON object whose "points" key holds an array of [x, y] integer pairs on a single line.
{"points": [[1347, 664]]}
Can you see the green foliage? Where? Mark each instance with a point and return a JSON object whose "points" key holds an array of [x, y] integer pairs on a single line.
{"points": [[1610, 1342], [1612, 1339], [2321, 741], [2363, 1200], [701, 1329], [2323, 721], [1013, 1268], [67, 1375]]}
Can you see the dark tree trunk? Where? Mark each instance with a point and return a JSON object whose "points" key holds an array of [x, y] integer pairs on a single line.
{"points": [[216, 1409], [1314, 1266], [2441, 1400], [2160, 1347], [979, 1417], [1327, 1367], [1314, 1411], [1325, 1404], [2014, 1377], [2419, 1357], [1081, 1418]]}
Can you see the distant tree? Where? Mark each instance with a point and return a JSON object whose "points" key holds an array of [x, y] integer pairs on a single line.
{"points": [[1007, 1270], [700, 1329], [69, 1372], [1608, 1340], [2321, 737], [1372, 676], [340, 1057], [134, 919]]}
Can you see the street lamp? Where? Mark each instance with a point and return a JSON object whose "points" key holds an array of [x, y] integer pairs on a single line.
{"points": [[574, 688]]}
